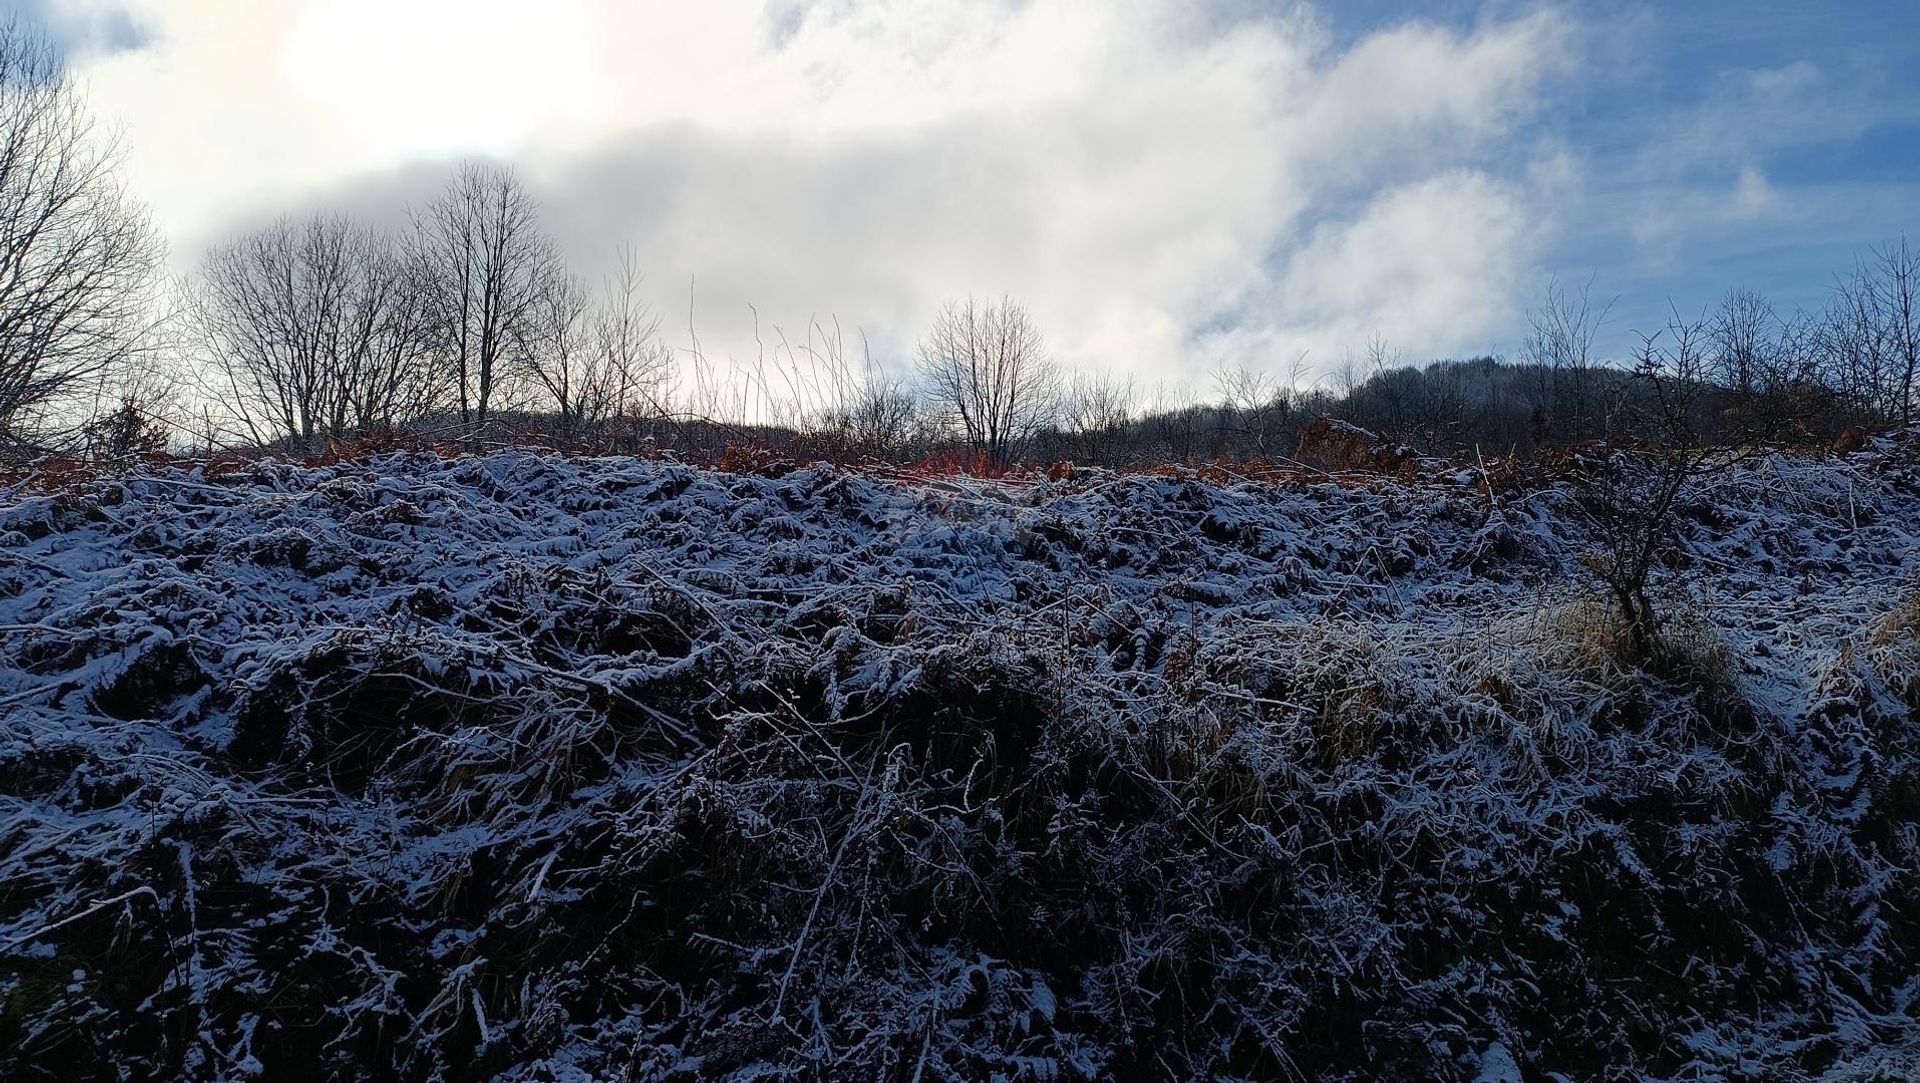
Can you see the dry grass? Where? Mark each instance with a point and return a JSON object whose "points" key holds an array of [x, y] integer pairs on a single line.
{"points": [[1893, 646], [622, 825]]}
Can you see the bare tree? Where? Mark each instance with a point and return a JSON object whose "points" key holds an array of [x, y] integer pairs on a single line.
{"points": [[1561, 343], [1252, 406], [488, 268], [1742, 329], [1899, 304], [1769, 369], [1386, 389], [314, 330], [1852, 344], [597, 363], [1346, 374], [555, 342], [1439, 410], [1175, 421], [389, 378], [1097, 410], [1868, 339], [1744, 335], [636, 366], [987, 367], [77, 254]]}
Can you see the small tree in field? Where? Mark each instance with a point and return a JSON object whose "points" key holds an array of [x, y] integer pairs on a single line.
{"points": [[986, 367], [1629, 502]]}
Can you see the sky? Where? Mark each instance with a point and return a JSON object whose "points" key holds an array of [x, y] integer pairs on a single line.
{"points": [[1170, 186]]}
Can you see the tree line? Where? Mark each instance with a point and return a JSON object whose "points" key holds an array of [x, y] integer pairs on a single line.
{"points": [[323, 327], [469, 323]]}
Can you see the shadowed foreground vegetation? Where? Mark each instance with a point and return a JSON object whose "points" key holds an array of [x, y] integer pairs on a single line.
{"points": [[536, 768]]}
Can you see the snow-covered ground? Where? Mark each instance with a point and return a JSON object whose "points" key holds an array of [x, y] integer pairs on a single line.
{"points": [[532, 767]]}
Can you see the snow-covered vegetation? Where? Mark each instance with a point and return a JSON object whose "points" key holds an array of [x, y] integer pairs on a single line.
{"points": [[463, 759], [530, 767]]}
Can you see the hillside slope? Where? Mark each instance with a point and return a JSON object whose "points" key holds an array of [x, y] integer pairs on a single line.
{"points": [[539, 768]]}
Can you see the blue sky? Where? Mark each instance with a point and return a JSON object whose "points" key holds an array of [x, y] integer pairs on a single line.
{"points": [[1760, 144], [1171, 185]]}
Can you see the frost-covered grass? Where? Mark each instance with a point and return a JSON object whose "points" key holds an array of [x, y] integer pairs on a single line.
{"points": [[536, 768]]}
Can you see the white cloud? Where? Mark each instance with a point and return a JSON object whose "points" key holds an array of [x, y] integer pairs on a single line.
{"points": [[1438, 265], [1137, 172], [436, 76], [1418, 96], [1430, 261], [1753, 196]]}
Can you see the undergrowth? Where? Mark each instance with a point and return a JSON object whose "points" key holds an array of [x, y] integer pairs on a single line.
{"points": [[624, 814]]}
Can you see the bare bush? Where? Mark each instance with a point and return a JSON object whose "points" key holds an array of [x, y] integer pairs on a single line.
{"points": [[1629, 499], [881, 418]]}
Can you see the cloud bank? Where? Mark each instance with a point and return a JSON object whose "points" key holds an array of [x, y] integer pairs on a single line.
{"points": [[1168, 185]]}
